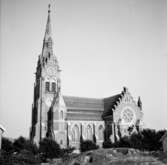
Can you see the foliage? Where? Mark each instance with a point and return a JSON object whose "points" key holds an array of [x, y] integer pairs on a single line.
{"points": [[87, 145], [148, 139], [24, 144], [69, 150], [123, 142], [49, 149], [21, 151], [7, 145], [23, 158], [108, 144], [151, 139]]}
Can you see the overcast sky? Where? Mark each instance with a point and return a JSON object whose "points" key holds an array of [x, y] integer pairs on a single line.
{"points": [[101, 45]]}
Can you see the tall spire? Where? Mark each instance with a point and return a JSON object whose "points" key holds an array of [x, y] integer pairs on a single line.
{"points": [[48, 26], [48, 42]]}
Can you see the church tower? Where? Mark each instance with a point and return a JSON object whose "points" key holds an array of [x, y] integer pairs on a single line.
{"points": [[47, 91]]}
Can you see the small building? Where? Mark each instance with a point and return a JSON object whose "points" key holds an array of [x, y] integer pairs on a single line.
{"points": [[2, 130], [164, 141]]}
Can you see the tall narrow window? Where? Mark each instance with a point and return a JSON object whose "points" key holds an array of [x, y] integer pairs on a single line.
{"points": [[61, 115], [53, 86], [47, 86]]}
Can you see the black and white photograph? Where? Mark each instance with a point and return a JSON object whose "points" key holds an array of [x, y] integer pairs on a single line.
{"points": [[83, 82]]}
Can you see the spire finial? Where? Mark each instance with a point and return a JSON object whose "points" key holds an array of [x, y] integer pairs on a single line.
{"points": [[49, 8]]}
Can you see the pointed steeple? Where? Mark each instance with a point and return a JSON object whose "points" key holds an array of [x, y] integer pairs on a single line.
{"points": [[48, 42], [48, 26]]}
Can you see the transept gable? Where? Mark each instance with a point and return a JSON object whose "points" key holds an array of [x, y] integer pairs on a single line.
{"points": [[126, 106], [114, 104]]}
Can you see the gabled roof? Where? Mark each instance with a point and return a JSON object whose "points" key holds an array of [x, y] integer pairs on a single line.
{"points": [[80, 106], [80, 103], [109, 104]]}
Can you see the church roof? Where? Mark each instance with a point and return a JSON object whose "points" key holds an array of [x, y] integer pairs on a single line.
{"points": [[89, 108], [109, 104], [81, 103], [84, 108]]}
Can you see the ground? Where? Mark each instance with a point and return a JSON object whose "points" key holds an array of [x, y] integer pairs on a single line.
{"points": [[118, 156]]}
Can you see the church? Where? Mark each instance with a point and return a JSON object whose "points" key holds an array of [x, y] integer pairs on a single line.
{"points": [[69, 119]]}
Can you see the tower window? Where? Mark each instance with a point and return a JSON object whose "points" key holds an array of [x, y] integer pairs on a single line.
{"points": [[61, 115], [47, 86], [53, 86]]}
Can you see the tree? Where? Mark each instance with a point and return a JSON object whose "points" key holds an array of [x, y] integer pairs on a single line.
{"points": [[87, 145], [136, 141], [147, 139], [108, 144], [7, 145], [24, 144], [151, 139], [123, 142], [49, 148]]}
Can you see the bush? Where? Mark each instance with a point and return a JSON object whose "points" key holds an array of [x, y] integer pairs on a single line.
{"points": [[87, 145], [22, 158], [7, 145], [151, 139], [24, 144], [123, 142], [49, 149], [107, 144], [66, 151], [148, 140], [25, 157]]}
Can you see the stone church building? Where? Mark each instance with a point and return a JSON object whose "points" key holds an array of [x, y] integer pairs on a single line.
{"points": [[68, 119]]}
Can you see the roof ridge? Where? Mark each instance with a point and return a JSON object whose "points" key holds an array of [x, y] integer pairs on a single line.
{"points": [[82, 97]]}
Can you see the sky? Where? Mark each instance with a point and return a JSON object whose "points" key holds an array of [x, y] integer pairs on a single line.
{"points": [[101, 46]]}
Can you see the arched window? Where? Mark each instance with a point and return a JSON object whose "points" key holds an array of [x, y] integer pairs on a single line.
{"points": [[75, 134], [46, 60], [61, 115], [47, 86], [89, 133], [53, 87], [100, 132]]}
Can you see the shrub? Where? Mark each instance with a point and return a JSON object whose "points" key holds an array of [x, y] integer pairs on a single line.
{"points": [[22, 158], [49, 149], [24, 144], [108, 144], [147, 139], [25, 157], [7, 145], [66, 151], [87, 145], [123, 142]]}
